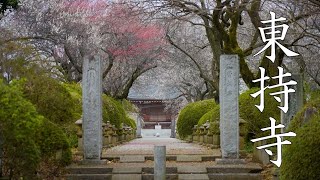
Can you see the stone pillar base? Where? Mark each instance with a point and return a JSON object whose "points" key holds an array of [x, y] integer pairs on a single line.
{"points": [[230, 161]]}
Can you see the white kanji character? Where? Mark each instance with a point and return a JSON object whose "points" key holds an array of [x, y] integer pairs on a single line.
{"points": [[272, 41]]}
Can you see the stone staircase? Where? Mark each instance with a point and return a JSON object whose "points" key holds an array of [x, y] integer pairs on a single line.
{"points": [[182, 167]]}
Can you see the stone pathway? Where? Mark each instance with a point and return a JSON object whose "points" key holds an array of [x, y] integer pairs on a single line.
{"points": [[134, 161], [145, 146]]}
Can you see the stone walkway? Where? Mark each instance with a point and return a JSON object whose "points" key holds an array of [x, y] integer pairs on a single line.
{"points": [[145, 146], [134, 160]]}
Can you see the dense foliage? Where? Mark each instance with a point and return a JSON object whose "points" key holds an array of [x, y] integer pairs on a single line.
{"points": [[300, 160], [255, 119], [55, 149], [51, 99], [301, 117], [190, 115], [248, 112], [212, 115], [19, 122], [113, 111], [28, 138]]}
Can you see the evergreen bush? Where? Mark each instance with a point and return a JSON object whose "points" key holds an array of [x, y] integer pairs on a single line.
{"points": [[249, 113], [190, 115], [55, 150], [30, 142], [113, 111], [130, 122], [51, 99], [212, 115], [255, 119], [300, 159], [19, 122]]}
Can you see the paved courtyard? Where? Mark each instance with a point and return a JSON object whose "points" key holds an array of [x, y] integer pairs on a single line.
{"points": [[145, 146]]}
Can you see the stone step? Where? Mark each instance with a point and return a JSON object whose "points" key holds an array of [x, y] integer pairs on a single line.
{"points": [[178, 158], [239, 168], [132, 159], [193, 177], [150, 170], [89, 170], [88, 176], [192, 170], [235, 176], [218, 176], [250, 171], [189, 158]]}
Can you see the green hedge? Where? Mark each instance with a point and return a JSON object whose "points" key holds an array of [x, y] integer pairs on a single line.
{"points": [[51, 139], [212, 115], [113, 111], [55, 102], [75, 92], [37, 139], [190, 115], [19, 122], [300, 160], [248, 112], [51, 99], [255, 119], [130, 122]]}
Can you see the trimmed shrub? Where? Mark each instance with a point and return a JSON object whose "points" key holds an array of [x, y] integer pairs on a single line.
{"points": [[55, 150], [51, 99], [113, 111], [248, 112], [29, 140], [255, 119], [212, 115], [130, 122], [299, 119], [190, 115], [75, 92], [19, 122], [128, 106], [300, 160]]}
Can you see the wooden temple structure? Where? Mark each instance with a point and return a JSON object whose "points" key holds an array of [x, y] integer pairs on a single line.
{"points": [[153, 113]]}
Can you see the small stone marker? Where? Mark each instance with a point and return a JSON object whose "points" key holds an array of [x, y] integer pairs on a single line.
{"points": [[173, 128], [159, 162], [139, 127], [92, 108], [229, 109]]}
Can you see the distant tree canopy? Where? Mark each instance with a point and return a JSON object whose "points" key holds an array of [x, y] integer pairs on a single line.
{"points": [[7, 4]]}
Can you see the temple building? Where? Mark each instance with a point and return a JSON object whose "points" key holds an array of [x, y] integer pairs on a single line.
{"points": [[153, 112]]}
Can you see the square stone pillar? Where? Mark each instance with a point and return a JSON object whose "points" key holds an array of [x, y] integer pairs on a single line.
{"points": [[173, 128], [229, 108], [92, 108], [295, 101], [139, 127]]}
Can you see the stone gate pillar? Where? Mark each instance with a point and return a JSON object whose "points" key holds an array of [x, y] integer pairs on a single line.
{"points": [[229, 108], [92, 108]]}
